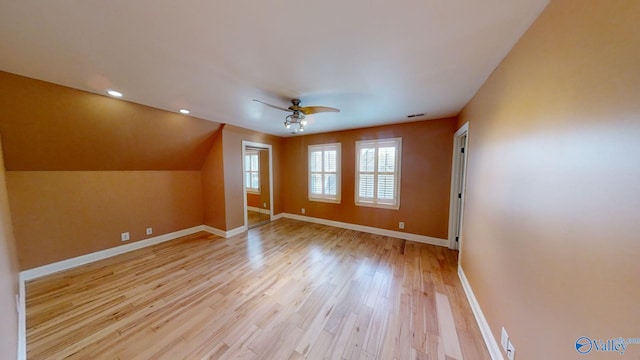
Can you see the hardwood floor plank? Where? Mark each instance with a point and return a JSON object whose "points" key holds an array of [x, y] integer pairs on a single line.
{"points": [[284, 290], [447, 327], [320, 346], [354, 345], [341, 337]]}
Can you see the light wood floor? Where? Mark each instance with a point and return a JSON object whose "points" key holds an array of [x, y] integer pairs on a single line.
{"points": [[285, 290]]}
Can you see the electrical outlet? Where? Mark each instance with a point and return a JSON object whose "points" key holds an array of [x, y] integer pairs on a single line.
{"points": [[264, 205], [401, 225], [504, 339], [511, 351], [149, 231], [124, 236], [302, 211]]}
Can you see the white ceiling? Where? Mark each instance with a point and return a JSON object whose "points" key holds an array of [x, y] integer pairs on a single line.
{"points": [[378, 61]]}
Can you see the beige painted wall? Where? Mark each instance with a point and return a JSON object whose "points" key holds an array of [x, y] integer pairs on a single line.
{"points": [[8, 275], [84, 167], [222, 177], [58, 215], [425, 180], [550, 240], [213, 186], [232, 147]]}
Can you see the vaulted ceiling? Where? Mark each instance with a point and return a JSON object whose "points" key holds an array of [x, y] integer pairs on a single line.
{"points": [[378, 61]]}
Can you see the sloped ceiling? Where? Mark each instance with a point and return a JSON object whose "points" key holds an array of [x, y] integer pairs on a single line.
{"points": [[50, 127], [378, 61]]}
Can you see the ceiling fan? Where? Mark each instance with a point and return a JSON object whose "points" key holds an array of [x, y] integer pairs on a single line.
{"points": [[298, 113]]}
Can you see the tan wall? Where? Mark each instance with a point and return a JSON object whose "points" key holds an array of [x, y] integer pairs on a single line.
{"points": [[58, 215], [222, 175], [8, 275], [253, 200], [425, 180], [213, 186], [52, 127], [550, 240], [233, 172]]}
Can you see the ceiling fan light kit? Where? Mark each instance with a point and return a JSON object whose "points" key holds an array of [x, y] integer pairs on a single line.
{"points": [[297, 118]]}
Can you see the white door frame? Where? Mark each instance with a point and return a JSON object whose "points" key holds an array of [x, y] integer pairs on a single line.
{"points": [[244, 185], [458, 172]]}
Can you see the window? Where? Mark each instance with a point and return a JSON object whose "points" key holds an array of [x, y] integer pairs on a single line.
{"points": [[378, 173], [324, 172], [252, 171]]}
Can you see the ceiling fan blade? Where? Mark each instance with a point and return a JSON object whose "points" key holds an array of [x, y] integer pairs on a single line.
{"points": [[308, 110], [273, 106]]}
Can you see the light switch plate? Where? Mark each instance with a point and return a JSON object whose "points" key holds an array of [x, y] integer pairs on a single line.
{"points": [[504, 339]]}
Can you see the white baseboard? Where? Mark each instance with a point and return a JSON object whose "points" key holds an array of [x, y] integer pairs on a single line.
{"points": [[48, 269], [236, 231], [487, 335], [215, 231], [22, 321], [44, 270], [368, 229], [225, 234], [260, 210]]}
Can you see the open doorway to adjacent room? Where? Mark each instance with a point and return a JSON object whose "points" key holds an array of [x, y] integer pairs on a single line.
{"points": [[258, 183]]}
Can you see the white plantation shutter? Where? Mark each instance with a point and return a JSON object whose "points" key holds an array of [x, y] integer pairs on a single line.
{"points": [[366, 187], [378, 175], [324, 172], [252, 171], [386, 187]]}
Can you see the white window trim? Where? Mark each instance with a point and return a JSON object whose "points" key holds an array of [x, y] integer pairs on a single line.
{"points": [[248, 187], [326, 198], [398, 171]]}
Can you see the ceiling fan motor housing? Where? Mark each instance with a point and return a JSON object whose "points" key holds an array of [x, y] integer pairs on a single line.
{"points": [[298, 113]]}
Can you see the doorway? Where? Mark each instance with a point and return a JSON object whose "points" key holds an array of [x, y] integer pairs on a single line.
{"points": [[258, 183], [458, 177]]}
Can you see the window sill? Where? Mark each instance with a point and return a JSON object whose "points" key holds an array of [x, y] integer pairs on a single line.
{"points": [[330, 201], [379, 206]]}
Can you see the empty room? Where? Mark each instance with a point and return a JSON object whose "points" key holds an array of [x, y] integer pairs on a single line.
{"points": [[320, 180]]}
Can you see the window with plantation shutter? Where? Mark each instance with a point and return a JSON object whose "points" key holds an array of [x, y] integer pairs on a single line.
{"points": [[324, 172], [378, 173], [252, 171]]}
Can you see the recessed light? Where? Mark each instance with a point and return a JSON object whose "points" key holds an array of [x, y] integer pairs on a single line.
{"points": [[184, 111], [114, 93]]}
